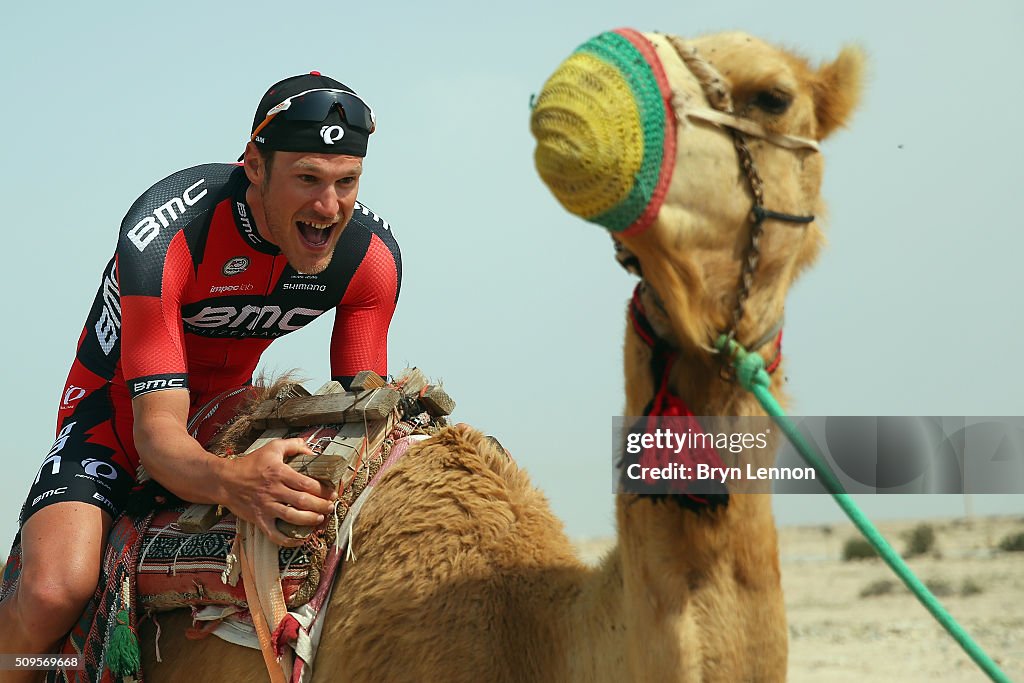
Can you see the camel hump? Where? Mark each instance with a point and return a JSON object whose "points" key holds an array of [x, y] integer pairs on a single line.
{"points": [[203, 558]]}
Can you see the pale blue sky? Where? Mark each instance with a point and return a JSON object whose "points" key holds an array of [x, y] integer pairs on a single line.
{"points": [[517, 305]]}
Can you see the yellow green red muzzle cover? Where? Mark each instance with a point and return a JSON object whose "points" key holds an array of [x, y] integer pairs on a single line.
{"points": [[605, 131]]}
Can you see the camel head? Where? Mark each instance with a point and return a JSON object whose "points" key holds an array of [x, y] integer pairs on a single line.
{"points": [[638, 133]]}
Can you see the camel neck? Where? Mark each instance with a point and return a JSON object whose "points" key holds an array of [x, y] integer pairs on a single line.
{"points": [[696, 379]]}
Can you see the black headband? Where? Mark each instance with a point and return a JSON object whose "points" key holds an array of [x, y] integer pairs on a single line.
{"points": [[330, 136]]}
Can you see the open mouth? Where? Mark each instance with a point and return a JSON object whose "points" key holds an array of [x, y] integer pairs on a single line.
{"points": [[315, 234]]}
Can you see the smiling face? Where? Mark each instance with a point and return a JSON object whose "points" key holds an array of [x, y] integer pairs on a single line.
{"points": [[302, 202]]}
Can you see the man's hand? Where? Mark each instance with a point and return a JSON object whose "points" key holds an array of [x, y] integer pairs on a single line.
{"points": [[257, 488], [260, 488]]}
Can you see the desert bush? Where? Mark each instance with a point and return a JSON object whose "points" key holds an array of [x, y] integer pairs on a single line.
{"points": [[970, 587], [920, 540], [880, 587], [940, 588], [858, 549], [1014, 543]]}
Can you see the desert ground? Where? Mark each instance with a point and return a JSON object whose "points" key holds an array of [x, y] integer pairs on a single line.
{"points": [[854, 621]]}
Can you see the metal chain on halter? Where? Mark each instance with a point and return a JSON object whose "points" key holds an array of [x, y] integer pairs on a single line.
{"points": [[717, 91], [757, 216], [753, 253]]}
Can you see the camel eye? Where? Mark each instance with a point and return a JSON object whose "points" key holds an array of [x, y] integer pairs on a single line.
{"points": [[773, 101]]}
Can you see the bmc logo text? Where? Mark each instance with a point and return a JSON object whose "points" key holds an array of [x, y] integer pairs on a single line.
{"points": [[376, 219], [52, 492], [52, 459], [103, 499], [252, 317], [108, 327], [332, 134], [243, 217], [146, 230], [156, 384]]}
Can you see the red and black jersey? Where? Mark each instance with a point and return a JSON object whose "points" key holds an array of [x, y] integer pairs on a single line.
{"points": [[193, 295]]}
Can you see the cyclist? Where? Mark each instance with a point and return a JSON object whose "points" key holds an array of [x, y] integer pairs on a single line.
{"points": [[212, 264]]}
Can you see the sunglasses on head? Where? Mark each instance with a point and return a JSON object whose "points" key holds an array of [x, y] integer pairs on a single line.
{"points": [[315, 105]]}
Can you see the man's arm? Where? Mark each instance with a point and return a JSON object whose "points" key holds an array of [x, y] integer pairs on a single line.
{"points": [[363, 316], [257, 488]]}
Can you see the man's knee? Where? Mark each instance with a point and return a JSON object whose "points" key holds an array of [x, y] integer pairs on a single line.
{"points": [[48, 606], [62, 548]]}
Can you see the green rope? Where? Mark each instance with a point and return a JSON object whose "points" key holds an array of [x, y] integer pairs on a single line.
{"points": [[752, 376]]}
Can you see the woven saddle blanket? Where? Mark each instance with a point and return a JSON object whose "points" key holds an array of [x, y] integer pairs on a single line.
{"points": [[178, 569]]}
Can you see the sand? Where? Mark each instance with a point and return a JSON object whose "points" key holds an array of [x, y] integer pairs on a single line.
{"points": [[838, 635]]}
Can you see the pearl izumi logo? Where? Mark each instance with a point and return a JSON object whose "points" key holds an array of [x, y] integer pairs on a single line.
{"points": [[98, 468], [72, 394], [235, 266], [332, 134]]}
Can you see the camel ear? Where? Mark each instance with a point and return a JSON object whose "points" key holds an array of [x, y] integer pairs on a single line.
{"points": [[838, 89]]}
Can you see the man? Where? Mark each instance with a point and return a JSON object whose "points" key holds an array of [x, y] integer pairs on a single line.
{"points": [[212, 264]]}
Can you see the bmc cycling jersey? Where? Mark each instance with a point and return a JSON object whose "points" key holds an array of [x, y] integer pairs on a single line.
{"points": [[191, 298]]}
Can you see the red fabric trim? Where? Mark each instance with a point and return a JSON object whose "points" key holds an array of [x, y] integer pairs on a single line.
{"points": [[286, 634], [193, 578], [666, 404], [638, 326]]}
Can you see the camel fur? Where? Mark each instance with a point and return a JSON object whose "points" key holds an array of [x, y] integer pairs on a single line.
{"points": [[462, 571]]}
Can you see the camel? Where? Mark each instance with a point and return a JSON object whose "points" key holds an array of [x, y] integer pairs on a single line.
{"points": [[462, 572]]}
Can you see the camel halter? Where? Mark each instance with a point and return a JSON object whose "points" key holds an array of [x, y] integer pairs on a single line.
{"points": [[665, 403], [719, 96]]}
